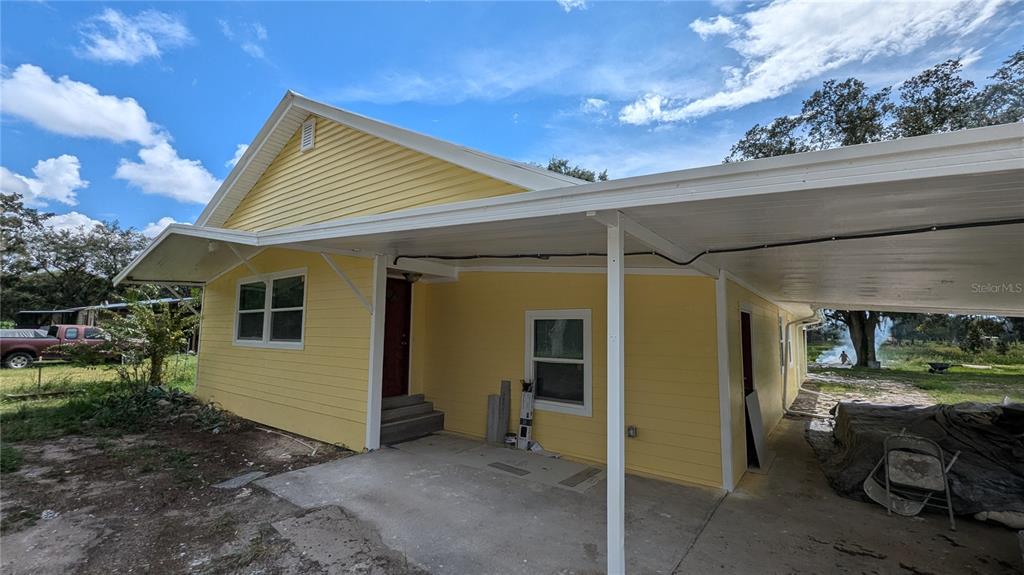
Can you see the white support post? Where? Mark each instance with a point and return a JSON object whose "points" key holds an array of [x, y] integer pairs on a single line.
{"points": [[376, 370], [616, 400], [724, 385]]}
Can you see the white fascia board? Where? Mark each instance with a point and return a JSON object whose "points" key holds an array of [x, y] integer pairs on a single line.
{"points": [[216, 234], [982, 150], [242, 165]]}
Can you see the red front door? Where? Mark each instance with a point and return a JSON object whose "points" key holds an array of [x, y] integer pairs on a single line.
{"points": [[397, 315]]}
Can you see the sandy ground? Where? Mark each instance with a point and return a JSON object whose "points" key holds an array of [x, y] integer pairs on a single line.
{"points": [[877, 391], [146, 504]]}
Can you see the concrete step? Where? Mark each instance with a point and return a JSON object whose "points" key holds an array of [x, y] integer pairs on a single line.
{"points": [[411, 428], [397, 413], [400, 401]]}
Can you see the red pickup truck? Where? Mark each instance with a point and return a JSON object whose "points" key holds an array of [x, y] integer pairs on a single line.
{"points": [[20, 347]]}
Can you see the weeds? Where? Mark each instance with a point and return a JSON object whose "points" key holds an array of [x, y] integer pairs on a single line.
{"points": [[10, 459]]}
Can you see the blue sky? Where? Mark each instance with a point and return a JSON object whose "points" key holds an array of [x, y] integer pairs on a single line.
{"points": [[134, 111]]}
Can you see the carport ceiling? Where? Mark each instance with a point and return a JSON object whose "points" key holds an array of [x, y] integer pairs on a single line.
{"points": [[971, 270]]}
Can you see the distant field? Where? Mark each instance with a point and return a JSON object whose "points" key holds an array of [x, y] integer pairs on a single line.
{"points": [[994, 376], [44, 377]]}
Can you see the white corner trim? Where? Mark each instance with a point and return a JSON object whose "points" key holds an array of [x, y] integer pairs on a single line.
{"points": [[375, 372], [724, 379]]}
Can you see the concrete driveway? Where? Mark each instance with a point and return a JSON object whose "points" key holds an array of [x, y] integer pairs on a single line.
{"points": [[440, 501]]}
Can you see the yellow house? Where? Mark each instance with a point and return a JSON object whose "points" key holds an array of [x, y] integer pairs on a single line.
{"points": [[364, 284]]}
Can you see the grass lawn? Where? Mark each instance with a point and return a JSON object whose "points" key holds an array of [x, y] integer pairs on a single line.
{"points": [[958, 384], [93, 399], [917, 356]]}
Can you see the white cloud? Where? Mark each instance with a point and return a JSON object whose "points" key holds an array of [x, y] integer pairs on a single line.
{"points": [[74, 108], [594, 106], [788, 42], [253, 49], [644, 110], [112, 36], [153, 229], [162, 172], [78, 109], [249, 36], [239, 150], [573, 66], [570, 5], [55, 179], [713, 26], [71, 221]]}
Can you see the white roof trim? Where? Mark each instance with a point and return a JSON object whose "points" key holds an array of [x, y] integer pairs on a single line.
{"points": [[516, 173], [219, 234], [981, 150]]}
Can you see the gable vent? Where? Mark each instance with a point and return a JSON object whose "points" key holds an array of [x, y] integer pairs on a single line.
{"points": [[308, 135]]}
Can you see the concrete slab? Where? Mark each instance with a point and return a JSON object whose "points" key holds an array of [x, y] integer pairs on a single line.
{"points": [[456, 518], [531, 466], [790, 521]]}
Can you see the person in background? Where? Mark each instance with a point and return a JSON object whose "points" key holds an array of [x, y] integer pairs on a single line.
{"points": [[845, 359]]}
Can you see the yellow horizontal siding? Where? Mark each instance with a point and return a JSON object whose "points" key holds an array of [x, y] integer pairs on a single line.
{"points": [[318, 391], [764, 318], [469, 335], [350, 173]]}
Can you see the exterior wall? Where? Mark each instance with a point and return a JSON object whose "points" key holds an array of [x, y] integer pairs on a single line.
{"points": [[319, 391], [469, 335], [764, 317], [350, 173]]}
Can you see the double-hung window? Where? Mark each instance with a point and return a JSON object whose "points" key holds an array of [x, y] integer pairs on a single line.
{"points": [[558, 360], [271, 310]]}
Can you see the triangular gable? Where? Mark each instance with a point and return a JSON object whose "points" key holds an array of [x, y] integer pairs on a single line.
{"points": [[347, 131], [349, 173]]}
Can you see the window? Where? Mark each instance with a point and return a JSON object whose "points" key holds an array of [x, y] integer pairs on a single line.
{"points": [[271, 310], [71, 333], [558, 359], [94, 333]]}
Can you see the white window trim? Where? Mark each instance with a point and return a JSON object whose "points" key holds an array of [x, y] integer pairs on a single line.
{"points": [[586, 409], [268, 279]]}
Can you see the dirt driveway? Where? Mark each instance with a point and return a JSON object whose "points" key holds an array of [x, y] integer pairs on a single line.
{"points": [[146, 503], [840, 388]]}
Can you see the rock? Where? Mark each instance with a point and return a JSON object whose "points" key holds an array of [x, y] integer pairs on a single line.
{"points": [[49, 514], [163, 402]]}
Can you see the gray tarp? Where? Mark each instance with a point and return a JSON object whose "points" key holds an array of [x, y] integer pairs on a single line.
{"points": [[988, 476]]}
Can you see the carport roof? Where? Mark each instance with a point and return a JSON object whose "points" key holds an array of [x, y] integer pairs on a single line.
{"points": [[944, 180]]}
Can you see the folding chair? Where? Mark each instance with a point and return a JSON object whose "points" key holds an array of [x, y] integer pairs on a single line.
{"points": [[914, 474]]}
